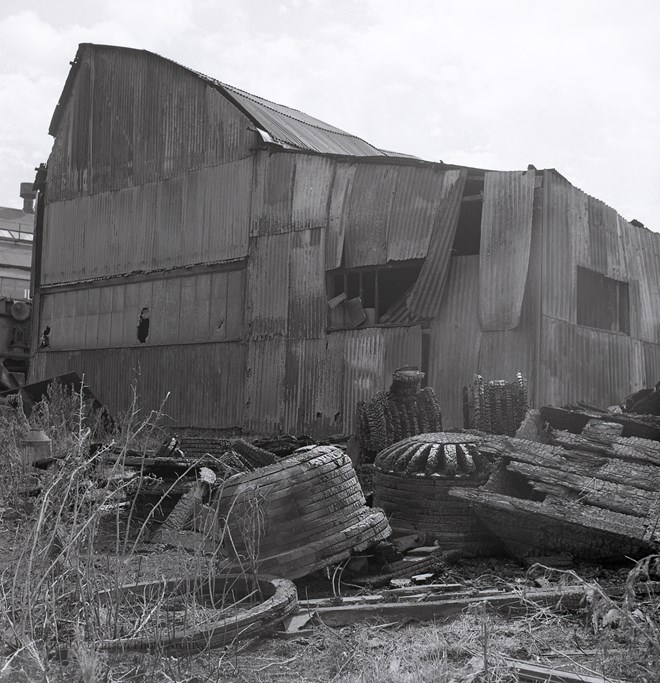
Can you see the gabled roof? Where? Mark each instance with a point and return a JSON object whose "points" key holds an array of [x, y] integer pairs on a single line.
{"points": [[277, 124]]}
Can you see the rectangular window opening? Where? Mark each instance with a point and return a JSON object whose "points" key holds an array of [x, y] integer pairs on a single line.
{"points": [[371, 296], [602, 302], [468, 232]]}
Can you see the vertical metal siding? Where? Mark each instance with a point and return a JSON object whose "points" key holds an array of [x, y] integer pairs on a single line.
{"points": [[427, 294], [268, 285], [311, 191], [418, 198], [273, 193], [201, 308], [266, 361], [134, 118], [211, 397], [307, 291], [198, 218], [364, 355], [455, 338], [341, 189], [366, 215], [506, 236], [403, 346]]}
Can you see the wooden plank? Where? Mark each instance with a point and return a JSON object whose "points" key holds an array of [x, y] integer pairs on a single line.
{"points": [[569, 597]]}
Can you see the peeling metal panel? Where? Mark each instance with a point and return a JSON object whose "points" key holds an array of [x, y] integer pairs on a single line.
{"points": [[341, 189], [199, 218], [307, 291], [212, 395], [506, 237], [266, 361], [456, 338], [330, 391], [426, 297], [417, 201], [131, 118], [366, 215], [268, 285], [202, 307]]}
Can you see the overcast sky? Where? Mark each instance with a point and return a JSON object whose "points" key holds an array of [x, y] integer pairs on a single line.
{"points": [[568, 84]]}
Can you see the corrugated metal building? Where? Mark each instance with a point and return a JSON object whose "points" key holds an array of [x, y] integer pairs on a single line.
{"points": [[267, 270]]}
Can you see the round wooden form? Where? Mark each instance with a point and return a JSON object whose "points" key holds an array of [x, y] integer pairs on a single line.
{"points": [[280, 600], [416, 503], [299, 515]]}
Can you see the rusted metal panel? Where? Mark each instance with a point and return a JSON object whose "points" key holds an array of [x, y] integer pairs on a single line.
{"points": [[266, 361], [341, 189], [330, 391], [205, 382], [506, 237], [456, 338], [293, 128], [426, 296], [366, 215], [129, 117], [647, 266], [268, 285], [651, 355], [199, 218], [417, 201], [202, 307], [307, 292]]}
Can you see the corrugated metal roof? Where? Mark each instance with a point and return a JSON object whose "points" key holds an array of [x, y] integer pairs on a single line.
{"points": [[212, 396], [426, 298], [506, 237]]}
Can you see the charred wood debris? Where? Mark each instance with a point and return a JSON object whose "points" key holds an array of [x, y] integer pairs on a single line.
{"points": [[401, 500]]}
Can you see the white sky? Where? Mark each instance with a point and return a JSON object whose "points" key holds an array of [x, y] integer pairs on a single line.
{"points": [[569, 84]]}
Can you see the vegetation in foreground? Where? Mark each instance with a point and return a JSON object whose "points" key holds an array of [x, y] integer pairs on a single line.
{"points": [[74, 530]]}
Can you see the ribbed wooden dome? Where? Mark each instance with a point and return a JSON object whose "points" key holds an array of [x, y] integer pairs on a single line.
{"points": [[439, 454]]}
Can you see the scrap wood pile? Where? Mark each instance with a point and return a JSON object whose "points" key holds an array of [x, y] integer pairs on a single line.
{"points": [[594, 494]]}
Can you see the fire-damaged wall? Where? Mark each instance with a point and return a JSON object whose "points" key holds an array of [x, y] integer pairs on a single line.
{"points": [[267, 271]]}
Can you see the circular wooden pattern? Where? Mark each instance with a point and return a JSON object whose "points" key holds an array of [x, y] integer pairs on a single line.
{"points": [[412, 479], [279, 599], [439, 453], [298, 515]]}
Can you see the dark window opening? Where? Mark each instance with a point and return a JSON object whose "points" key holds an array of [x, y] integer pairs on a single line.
{"points": [[468, 231], [143, 325], [370, 296], [602, 302]]}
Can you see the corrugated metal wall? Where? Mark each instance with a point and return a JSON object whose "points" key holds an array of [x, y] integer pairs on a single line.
{"points": [[183, 309], [585, 363], [118, 95], [205, 382], [202, 217]]}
